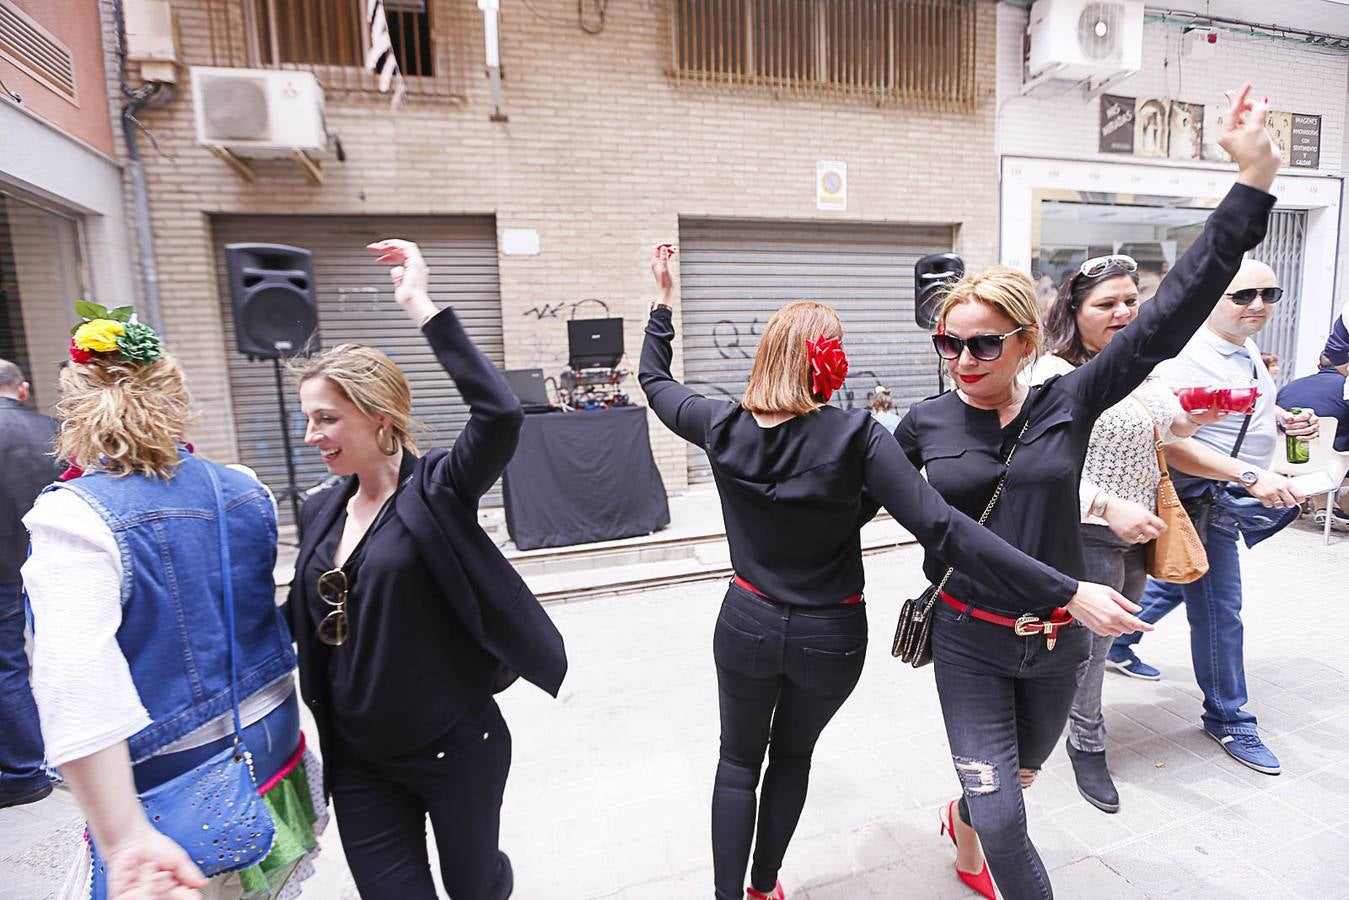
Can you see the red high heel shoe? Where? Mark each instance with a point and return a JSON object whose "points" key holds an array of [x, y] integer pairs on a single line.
{"points": [[775, 894], [981, 883]]}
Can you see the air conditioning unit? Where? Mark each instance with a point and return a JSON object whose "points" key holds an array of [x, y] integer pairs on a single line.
{"points": [[1077, 40], [258, 112]]}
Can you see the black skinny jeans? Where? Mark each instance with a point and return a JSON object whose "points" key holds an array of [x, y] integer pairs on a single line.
{"points": [[1005, 700], [782, 673], [382, 807]]}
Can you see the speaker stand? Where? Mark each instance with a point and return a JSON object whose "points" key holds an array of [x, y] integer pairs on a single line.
{"points": [[292, 490]]}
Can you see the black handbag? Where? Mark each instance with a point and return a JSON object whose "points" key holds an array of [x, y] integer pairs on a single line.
{"points": [[1200, 508], [913, 632]]}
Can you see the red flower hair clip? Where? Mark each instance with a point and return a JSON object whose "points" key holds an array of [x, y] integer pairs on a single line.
{"points": [[828, 366]]}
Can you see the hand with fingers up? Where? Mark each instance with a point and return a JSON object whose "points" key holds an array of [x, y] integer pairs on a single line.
{"points": [[1247, 139], [410, 275]]}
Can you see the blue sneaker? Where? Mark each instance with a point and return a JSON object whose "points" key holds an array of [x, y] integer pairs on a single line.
{"points": [[1122, 660], [1248, 750]]}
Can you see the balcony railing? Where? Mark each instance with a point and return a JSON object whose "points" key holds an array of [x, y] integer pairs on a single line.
{"points": [[911, 52], [330, 39]]}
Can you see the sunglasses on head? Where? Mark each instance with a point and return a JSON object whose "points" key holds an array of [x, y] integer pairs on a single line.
{"points": [[985, 347], [1246, 296], [333, 591], [1099, 265]]}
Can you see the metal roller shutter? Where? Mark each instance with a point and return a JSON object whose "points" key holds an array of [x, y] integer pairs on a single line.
{"points": [[355, 302], [736, 274], [1281, 250]]}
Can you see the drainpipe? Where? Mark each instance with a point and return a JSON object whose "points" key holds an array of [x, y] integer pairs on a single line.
{"points": [[492, 51], [150, 311]]}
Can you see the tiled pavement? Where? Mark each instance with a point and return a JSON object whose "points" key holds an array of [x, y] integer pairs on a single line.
{"points": [[610, 791]]}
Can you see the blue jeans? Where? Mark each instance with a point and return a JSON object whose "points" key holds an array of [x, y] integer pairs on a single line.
{"points": [[1213, 606], [1005, 700], [783, 671], [21, 751]]}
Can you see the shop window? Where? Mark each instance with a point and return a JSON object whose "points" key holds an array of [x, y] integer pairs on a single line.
{"points": [[914, 51]]}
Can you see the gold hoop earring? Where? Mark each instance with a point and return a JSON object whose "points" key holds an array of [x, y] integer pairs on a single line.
{"points": [[379, 442]]}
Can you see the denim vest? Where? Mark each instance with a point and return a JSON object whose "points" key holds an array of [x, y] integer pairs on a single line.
{"points": [[173, 618]]}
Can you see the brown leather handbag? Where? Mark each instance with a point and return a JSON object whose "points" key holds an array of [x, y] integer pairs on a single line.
{"points": [[1177, 555]]}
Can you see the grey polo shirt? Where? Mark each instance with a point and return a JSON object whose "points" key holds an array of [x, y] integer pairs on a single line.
{"points": [[1209, 359]]}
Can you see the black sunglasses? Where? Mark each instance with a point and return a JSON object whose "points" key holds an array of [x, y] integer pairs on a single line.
{"points": [[985, 347], [1246, 296], [333, 590]]}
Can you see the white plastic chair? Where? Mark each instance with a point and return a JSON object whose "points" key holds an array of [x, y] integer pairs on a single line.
{"points": [[1322, 473]]}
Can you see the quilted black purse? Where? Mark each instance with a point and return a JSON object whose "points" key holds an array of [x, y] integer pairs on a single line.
{"points": [[913, 632]]}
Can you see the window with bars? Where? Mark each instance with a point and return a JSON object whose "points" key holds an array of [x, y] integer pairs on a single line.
{"points": [[334, 33], [919, 52]]}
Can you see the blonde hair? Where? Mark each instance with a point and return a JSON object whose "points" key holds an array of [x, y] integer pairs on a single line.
{"points": [[122, 417], [372, 382], [1007, 290], [779, 382]]}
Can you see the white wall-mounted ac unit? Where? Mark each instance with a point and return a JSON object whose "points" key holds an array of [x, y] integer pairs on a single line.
{"points": [[1077, 40], [258, 112]]}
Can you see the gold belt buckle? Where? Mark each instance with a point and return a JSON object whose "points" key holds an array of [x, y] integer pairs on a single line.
{"points": [[1028, 626]]}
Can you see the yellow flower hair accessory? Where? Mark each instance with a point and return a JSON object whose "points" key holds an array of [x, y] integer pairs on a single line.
{"points": [[111, 334]]}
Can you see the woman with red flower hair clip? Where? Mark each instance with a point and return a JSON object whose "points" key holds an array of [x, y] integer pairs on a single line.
{"points": [[792, 633]]}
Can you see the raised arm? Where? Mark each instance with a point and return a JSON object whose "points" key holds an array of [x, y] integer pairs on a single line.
{"points": [[1189, 291], [495, 418], [682, 410]]}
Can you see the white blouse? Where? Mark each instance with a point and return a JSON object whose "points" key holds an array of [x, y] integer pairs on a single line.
{"points": [[1121, 456], [86, 698]]}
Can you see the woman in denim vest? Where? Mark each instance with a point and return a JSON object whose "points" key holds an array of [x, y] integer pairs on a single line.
{"points": [[132, 667]]}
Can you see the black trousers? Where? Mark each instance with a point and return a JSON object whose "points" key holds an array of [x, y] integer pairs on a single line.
{"points": [[782, 673], [1005, 700], [381, 811]]}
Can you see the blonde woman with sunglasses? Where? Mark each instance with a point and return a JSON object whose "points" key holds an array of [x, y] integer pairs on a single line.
{"points": [[407, 617], [1006, 671]]}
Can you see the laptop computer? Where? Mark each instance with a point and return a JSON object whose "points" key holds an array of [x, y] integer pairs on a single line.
{"points": [[529, 387], [594, 343]]}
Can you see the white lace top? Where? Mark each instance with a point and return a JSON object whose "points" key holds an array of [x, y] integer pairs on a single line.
{"points": [[1121, 460]]}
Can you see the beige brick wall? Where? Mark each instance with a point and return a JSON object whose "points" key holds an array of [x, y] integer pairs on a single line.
{"points": [[601, 154]]}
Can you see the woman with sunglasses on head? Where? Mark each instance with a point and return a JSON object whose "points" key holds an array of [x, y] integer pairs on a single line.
{"points": [[407, 617], [792, 632], [1118, 490], [163, 671], [1006, 670]]}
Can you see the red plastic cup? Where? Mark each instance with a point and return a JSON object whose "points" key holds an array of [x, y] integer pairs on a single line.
{"points": [[1197, 399], [1240, 400]]}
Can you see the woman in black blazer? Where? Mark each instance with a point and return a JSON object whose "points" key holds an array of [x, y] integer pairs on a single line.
{"points": [[406, 615]]}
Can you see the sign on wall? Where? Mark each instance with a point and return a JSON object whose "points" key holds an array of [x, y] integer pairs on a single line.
{"points": [[1172, 129], [831, 185]]}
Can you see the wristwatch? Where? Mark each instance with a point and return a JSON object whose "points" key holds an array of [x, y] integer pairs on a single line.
{"points": [[1249, 477]]}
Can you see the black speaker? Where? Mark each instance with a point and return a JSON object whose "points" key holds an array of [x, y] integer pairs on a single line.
{"points": [[272, 293], [933, 276]]}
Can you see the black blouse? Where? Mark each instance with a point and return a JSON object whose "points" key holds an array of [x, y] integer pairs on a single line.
{"points": [[381, 706], [791, 496], [963, 448]]}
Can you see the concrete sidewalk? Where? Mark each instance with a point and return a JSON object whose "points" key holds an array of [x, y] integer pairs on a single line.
{"points": [[610, 791]]}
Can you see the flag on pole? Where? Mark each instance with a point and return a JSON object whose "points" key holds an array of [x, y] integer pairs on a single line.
{"points": [[381, 59]]}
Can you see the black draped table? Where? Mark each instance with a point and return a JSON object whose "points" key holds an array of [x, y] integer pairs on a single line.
{"points": [[583, 477]]}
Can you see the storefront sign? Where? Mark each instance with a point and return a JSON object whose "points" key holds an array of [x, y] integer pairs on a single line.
{"points": [[1306, 143], [1171, 129], [1117, 124]]}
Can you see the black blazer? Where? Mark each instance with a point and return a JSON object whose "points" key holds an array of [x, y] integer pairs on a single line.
{"points": [[438, 506], [26, 459]]}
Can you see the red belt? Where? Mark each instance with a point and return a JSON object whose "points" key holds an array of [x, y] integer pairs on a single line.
{"points": [[740, 582], [1025, 626]]}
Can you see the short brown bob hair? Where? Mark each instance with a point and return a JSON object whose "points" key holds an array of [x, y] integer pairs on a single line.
{"points": [[780, 379]]}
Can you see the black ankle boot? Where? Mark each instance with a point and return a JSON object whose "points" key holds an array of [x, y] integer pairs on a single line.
{"points": [[1093, 778]]}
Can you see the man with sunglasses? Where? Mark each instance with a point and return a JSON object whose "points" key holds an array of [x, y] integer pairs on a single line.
{"points": [[1225, 467]]}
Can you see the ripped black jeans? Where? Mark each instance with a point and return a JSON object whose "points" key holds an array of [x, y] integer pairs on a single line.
{"points": [[1005, 700]]}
